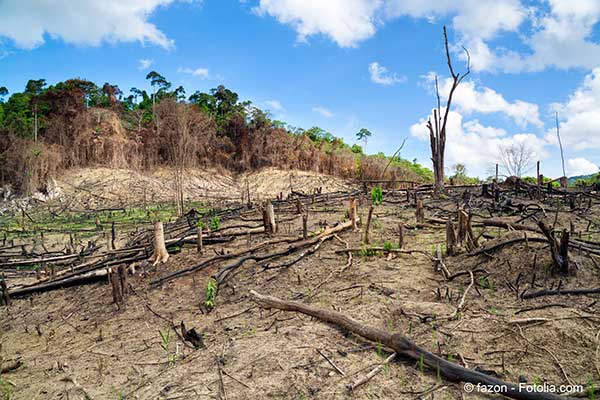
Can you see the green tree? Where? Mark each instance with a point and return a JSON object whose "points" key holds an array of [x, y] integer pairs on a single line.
{"points": [[160, 87], [3, 92], [364, 134]]}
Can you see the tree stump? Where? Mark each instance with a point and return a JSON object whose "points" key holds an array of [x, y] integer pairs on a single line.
{"points": [[5, 295], [558, 248], [199, 244], [305, 226], [450, 238], [269, 218], [420, 212], [369, 216], [352, 212], [160, 254], [400, 236]]}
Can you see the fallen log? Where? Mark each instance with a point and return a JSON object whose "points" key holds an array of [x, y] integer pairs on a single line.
{"points": [[403, 346]]}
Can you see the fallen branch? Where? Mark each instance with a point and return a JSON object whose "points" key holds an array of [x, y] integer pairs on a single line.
{"points": [[403, 347], [560, 292]]}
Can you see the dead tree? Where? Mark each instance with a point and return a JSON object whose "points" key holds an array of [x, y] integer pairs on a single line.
{"points": [[437, 127], [160, 254]]}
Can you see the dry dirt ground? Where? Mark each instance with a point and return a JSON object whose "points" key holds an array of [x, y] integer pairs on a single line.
{"points": [[102, 187], [75, 343]]}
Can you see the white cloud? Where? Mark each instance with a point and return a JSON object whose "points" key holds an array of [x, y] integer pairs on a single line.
{"points": [[381, 75], [347, 22], [550, 33], [197, 72], [145, 63], [476, 145], [82, 22], [323, 111], [581, 166], [580, 114], [470, 98], [274, 105]]}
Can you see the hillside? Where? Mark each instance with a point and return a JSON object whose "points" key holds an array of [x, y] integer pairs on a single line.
{"points": [[47, 130]]}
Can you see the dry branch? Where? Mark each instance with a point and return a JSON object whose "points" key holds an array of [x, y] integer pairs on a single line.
{"points": [[403, 346]]}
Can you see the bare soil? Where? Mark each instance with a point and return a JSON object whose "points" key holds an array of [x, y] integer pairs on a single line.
{"points": [[75, 343]]}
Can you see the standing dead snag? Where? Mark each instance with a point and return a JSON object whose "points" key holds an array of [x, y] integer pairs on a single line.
{"points": [[437, 127], [404, 347], [559, 249], [160, 254]]}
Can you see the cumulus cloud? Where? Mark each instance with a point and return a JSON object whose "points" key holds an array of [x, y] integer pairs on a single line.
{"points": [[581, 166], [197, 72], [580, 114], [470, 98], [347, 22], [323, 111], [82, 22], [476, 145], [381, 75], [144, 64], [552, 33]]}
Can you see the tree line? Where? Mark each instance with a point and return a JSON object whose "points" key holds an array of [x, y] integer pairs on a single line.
{"points": [[76, 123]]}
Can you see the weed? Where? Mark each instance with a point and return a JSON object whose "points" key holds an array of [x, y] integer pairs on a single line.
{"points": [[215, 222], [590, 389], [165, 339], [387, 246], [377, 195], [7, 390], [211, 293], [421, 363]]}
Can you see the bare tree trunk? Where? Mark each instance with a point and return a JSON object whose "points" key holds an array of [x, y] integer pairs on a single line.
{"points": [[160, 254], [437, 128]]}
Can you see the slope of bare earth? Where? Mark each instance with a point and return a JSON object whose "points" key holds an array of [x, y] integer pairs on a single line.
{"points": [[75, 343], [96, 187]]}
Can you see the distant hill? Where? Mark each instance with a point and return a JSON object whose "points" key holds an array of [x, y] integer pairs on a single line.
{"points": [[574, 179]]}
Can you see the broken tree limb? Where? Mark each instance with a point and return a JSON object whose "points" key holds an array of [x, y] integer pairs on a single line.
{"points": [[361, 381], [328, 233], [559, 292], [403, 346]]}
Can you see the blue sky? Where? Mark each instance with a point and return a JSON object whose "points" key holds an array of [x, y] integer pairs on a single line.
{"points": [[343, 64]]}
